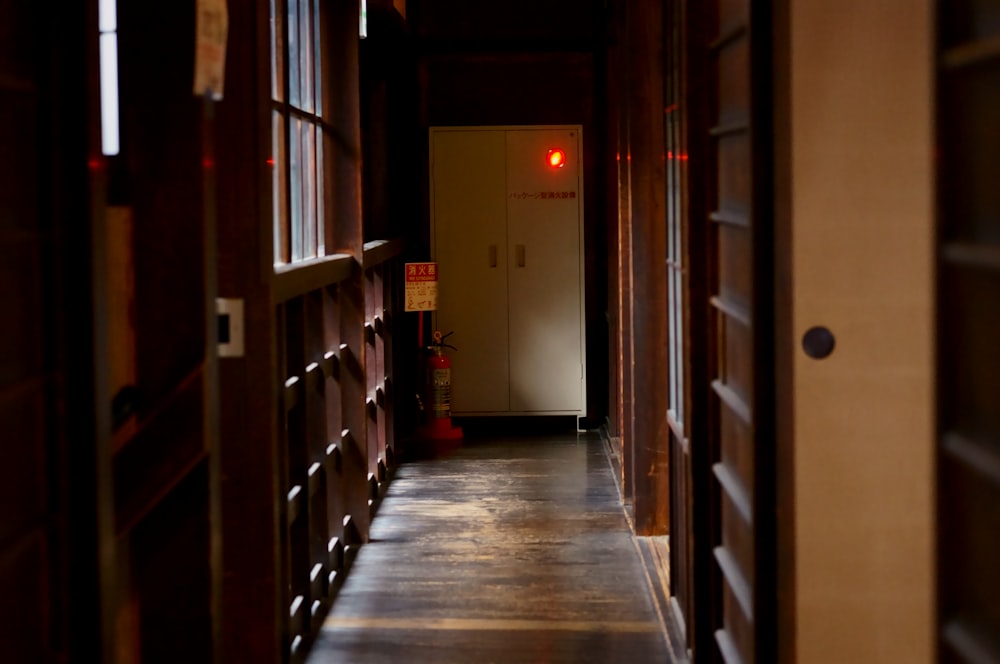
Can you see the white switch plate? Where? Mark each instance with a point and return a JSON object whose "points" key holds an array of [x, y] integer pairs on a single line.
{"points": [[232, 308]]}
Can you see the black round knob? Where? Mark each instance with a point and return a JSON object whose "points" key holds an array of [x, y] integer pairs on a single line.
{"points": [[818, 342]]}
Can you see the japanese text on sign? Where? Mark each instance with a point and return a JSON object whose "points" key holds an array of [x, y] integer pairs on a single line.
{"points": [[421, 286]]}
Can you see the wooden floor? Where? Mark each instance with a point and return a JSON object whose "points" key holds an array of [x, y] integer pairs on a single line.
{"points": [[507, 550]]}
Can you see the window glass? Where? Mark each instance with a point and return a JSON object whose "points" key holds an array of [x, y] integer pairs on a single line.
{"points": [[298, 130], [317, 60], [308, 190], [675, 173], [295, 180], [277, 53], [294, 54], [306, 56], [320, 202], [280, 188]]}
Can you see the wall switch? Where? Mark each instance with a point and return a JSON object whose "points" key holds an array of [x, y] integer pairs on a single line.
{"points": [[230, 318]]}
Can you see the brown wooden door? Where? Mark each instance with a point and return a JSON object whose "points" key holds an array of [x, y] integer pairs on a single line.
{"points": [[854, 175], [968, 381], [739, 440]]}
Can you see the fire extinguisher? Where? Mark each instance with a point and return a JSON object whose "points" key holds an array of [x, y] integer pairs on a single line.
{"points": [[438, 390], [439, 378]]}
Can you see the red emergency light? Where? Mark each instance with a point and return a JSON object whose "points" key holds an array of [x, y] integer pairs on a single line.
{"points": [[556, 158]]}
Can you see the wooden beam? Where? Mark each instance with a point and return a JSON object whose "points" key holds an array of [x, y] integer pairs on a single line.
{"points": [[252, 590], [297, 279], [644, 41]]}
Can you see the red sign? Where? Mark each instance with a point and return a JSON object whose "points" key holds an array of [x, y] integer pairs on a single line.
{"points": [[421, 286]]}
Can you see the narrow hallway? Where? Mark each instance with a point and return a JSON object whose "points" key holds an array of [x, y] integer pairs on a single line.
{"points": [[508, 550]]}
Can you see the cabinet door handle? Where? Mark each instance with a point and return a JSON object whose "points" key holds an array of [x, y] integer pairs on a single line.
{"points": [[818, 342], [520, 255], [493, 255]]}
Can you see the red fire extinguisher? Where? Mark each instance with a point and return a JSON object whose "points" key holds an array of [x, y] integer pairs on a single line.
{"points": [[438, 390]]}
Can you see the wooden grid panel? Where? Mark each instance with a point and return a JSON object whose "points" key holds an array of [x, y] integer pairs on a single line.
{"points": [[968, 315]]}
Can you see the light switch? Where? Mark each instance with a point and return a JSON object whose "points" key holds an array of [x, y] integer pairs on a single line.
{"points": [[230, 317]]}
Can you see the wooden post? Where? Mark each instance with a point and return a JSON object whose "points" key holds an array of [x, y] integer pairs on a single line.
{"points": [[647, 220], [248, 416]]}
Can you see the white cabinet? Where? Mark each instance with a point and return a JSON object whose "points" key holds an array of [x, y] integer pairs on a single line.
{"points": [[507, 233]]}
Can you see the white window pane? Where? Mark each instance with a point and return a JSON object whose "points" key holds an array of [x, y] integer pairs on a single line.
{"points": [[293, 53], [671, 342], [279, 188], [308, 190], [277, 54], [317, 59], [679, 342], [306, 54], [320, 195], [295, 176], [679, 257]]}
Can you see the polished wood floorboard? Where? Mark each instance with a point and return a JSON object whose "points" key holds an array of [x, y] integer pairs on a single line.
{"points": [[506, 550]]}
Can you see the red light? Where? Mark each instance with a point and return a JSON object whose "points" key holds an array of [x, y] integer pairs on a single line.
{"points": [[556, 158]]}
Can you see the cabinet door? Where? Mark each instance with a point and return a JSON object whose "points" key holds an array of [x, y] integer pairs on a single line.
{"points": [[470, 245], [544, 248]]}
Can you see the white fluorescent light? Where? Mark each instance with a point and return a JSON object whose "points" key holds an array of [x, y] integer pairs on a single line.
{"points": [[109, 94], [108, 15]]}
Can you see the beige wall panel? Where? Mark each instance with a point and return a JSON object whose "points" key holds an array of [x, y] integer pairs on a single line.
{"points": [[862, 219]]}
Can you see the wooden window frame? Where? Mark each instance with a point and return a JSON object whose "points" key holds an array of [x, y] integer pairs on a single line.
{"points": [[676, 218], [299, 110]]}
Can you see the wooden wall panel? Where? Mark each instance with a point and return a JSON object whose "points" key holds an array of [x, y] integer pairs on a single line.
{"points": [[170, 553], [25, 587], [734, 85], [968, 571], [740, 275], [20, 207], [732, 16], [42, 177], [737, 530], [736, 359], [21, 254], [682, 546], [735, 173], [735, 638], [18, 52], [23, 481], [164, 449], [737, 450], [734, 265]]}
